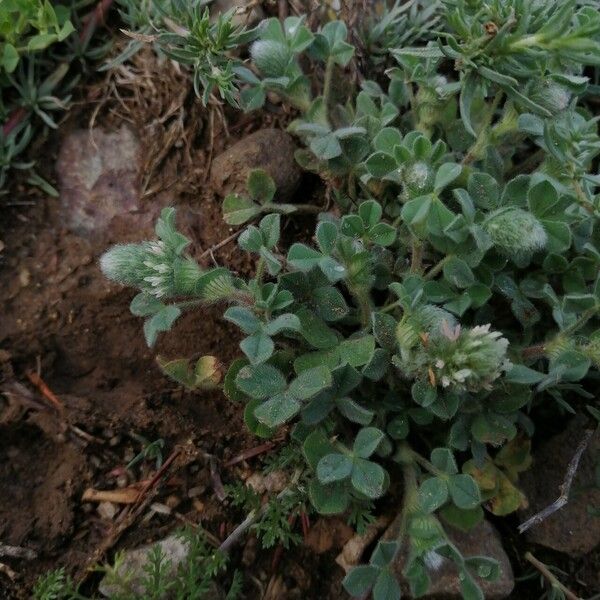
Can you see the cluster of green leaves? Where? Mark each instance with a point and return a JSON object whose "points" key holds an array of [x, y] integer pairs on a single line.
{"points": [[454, 292], [183, 31], [276, 517], [28, 26], [41, 57]]}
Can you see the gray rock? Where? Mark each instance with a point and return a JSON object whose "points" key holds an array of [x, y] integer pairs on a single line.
{"points": [[268, 149], [99, 177], [572, 529], [482, 540], [129, 575]]}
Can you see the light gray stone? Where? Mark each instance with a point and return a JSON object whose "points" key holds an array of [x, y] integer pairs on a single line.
{"points": [[99, 177], [132, 567]]}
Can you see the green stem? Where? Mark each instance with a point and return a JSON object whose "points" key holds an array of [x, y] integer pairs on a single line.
{"points": [[364, 304], [417, 255], [582, 198], [583, 319], [287, 209], [260, 269], [437, 268], [301, 104], [483, 138], [188, 303], [410, 502], [423, 462], [410, 498], [391, 306], [327, 82], [539, 350]]}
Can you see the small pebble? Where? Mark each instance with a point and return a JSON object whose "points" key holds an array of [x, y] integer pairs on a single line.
{"points": [[173, 501], [122, 480], [196, 491], [107, 510]]}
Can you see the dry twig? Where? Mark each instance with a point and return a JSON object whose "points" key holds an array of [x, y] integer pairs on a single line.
{"points": [[565, 488], [17, 552]]}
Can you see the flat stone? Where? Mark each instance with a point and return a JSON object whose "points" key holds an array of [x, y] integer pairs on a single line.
{"points": [[268, 149], [99, 177], [572, 529], [482, 540]]}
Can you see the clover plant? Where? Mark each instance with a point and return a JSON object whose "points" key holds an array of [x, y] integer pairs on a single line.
{"points": [[455, 290]]}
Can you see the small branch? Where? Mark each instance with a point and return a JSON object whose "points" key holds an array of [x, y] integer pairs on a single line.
{"points": [[222, 243], [550, 577], [239, 531], [249, 453], [253, 516], [564, 488], [583, 319]]}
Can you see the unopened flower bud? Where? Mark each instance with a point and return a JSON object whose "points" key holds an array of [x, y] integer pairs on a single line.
{"points": [[515, 231], [461, 359], [418, 178], [152, 267]]}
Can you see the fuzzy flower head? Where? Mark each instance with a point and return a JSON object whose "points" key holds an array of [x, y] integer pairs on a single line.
{"points": [[418, 178], [515, 231], [461, 359], [158, 267], [425, 320]]}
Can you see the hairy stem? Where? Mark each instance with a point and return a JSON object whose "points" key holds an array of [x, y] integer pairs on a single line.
{"points": [[363, 300], [437, 268], [417, 255], [483, 138], [327, 82], [582, 198], [583, 319]]}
